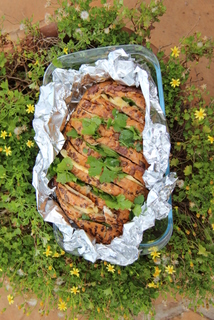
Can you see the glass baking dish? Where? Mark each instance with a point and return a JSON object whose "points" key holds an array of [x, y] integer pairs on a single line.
{"points": [[159, 235]]}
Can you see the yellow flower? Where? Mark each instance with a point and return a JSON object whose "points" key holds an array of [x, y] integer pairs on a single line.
{"points": [[50, 268], [152, 285], [71, 264], [30, 108], [200, 114], [10, 134], [187, 188], [155, 254], [74, 290], [36, 63], [198, 215], [169, 269], [30, 144], [62, 253], [212, 225], [105, 263], [56, 255], [157, 272], [175, 52], [65, 50], [83, 289], [10, 299], [3, 134], [191, 264], [153, 249], [62, 306], [98, 309], [1, 149], [119, 272], [110, 268], [48, 252], [8, 151], [175, 83], [210, 139], [75, 272], [187, 232]]}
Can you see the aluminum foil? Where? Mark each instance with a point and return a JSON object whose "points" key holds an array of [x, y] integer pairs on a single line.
{"points": [[51, 114]]}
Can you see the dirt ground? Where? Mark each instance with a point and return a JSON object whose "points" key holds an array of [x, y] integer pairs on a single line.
{"points": [[182, 18]]}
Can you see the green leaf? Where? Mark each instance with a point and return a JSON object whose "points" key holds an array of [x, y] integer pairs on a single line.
{"points": [[186, 116], [109, 152], [57, 63], [73, 133], [107, 292], [90, 126], [129, 101], [85, 150], [202, 251], [64, 177], [188, 170], [95, 166], [174, 162], [198, 165], [108, 175], [65, 164], [139, 200], [206, 129], [137, 210]]}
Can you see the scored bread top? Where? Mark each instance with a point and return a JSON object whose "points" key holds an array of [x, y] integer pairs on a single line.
{"points": [[104, 143]]}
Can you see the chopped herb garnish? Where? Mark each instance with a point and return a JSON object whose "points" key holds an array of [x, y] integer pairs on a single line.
{"points": [[63, 171], [90, 125], [73, 133], [109, 169], [129, 101]]}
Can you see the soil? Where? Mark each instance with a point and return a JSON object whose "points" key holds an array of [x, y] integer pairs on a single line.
{"points": [[182, 18]]}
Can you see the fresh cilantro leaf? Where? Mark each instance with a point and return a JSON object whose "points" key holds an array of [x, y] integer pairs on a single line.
{"points": [[65, 164], [139, 146], [139, 200], [119, 122], [137, 210], [112, 163], [123, 202], [109, 152], [115, 112], [109, 122], [64, 177], [108, 175], [52, 169], [129, 101], [90, 126], [73, 133], [85, 150], [126, 138], [85, 217], [95, 166], [136, 133]]}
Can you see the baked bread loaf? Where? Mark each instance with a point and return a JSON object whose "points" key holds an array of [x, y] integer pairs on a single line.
{"points": [[106, 163]]}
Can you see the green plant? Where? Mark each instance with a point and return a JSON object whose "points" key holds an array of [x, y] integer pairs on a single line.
{"points": [[29, 256]]}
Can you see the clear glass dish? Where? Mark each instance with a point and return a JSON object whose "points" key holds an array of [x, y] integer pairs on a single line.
{"points": [[153, 238]]}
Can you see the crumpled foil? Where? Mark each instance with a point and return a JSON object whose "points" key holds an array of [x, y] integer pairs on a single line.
{"points": [[51, 114]]}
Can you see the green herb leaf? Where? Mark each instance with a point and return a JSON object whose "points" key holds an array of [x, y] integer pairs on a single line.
{"points": [[65, 164], [139, 200], [108, 175], [95, 166], [73, 133], [90, 126], [64, 177], [129, 101], [85, 150], [137, 210]]}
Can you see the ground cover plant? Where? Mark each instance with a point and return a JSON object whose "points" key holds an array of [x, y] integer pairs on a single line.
{"points": [[30, 259]]}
